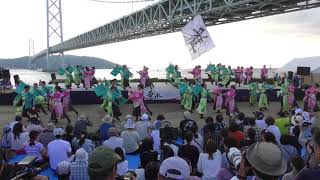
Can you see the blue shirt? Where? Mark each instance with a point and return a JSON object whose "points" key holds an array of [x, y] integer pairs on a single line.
{"points": [[103, 130]]}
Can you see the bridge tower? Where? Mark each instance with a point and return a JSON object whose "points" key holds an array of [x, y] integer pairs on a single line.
{"points": [[54, 27]]}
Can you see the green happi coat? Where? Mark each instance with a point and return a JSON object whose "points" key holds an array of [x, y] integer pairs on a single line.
{"points": [[28, 100], [253, 87], [38, 96], [202, 107], [226, 76], [176, 77], [263, 99], [125, 74], [77, 76], [107, 102], [169, 72], [284, 94], [18, 104], [187, 98]]}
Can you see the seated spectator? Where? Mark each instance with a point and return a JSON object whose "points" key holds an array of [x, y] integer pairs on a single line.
{"points": [[289, 152], [34, 148], [250, 139], [208, 131], [143, 126], [240, 120], [174, 168], [260, 122], [266, 162], [228, 143], [83, 142], [305, 132], [209, 163], [252, 124], [283, 124], [63, 170], [79, 166], [235, 133], [147, 153], [155, 134], [114, 141], [297, 165], [107, 123], [35, 124], [233, 158], [187, 124], [189, 151], [271, 127], [312, 171], [19, 139], [81, 125], [268, 137], [296, 120], [122, 165], [157, 122], [131, 138], [58, 150], [47, 136], [102, 164], [68, 134], [6, 138], [151, 170], [197, 140], [17, 119]]}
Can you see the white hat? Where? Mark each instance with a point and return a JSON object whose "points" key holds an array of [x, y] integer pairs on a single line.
{"points": [[128, 117], [144, 117], [298, 111], [81, 155], [296, 120], [187, 115], [82, 117], [58, 132], [177, 164], [107, 119], [234, 157], [130, 124], [306, 115]]}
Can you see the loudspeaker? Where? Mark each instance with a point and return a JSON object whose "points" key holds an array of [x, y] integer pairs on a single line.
{"points": [[290, 75], [303, 71], [16, 79], [53, 77], [4, 74]]}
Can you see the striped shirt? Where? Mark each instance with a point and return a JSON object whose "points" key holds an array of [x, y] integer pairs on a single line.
{"points": [[34, 150]]}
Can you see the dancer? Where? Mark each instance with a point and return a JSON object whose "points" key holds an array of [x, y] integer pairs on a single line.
{"points": [[263, 99], [249, 75], [77, 75], [212, 73], [57, 111], [28, 102], [284, 98], [253, 87], [218, 99], [276, 80], [264, 73], [144, 78], [66, 102], [186, 101], [226, 75], [93, 79], [106, 95], [125, 77], [139, 106], [117, 99], [196, 72], [176, 76], [230, 101], [39, 99], [291, 96], [87, 77], [309, 99], [237, 75], [169, 73], [204, 95], [69, 78]]}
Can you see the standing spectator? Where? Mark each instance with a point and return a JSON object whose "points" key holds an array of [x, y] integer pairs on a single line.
{"points": [[58, 150], [83, 142], [297, 165], [131, 138], [122, 165], [102, 164], [143, 126], [209, 163], [235, 133], [68, 134], [78, 168], [189, 151], [47, 135], [19, 139], [260, 122], [188, 123], [107, 123], [34, 148], [271, 127], [34, 125], [81, 125], [114, 141], [174, 168]]}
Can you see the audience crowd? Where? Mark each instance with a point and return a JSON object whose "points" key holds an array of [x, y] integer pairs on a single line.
{"points": [[245, 147]]}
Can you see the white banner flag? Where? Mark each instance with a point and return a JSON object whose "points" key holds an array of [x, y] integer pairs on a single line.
{"points": [[197, 37]]}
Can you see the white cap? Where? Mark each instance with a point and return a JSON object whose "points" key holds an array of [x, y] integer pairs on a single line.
{"points": [[176, 164], [58, 131], [298, 111], [144, 117], [81, 155], [306, 115]]}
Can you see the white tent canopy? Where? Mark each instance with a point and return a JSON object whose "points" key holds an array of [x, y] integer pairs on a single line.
{"points": [[312, 62]]}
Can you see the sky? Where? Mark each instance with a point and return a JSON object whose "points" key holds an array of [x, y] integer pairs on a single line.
{"points": [[273, 40]]}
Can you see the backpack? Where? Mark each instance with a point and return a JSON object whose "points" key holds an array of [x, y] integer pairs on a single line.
{"points": [[6, 137]]}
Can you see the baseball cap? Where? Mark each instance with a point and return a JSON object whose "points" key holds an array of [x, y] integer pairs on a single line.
{"points": [[175, 168], [102, 160], [144, 117], [298, 111], [58, 132]]}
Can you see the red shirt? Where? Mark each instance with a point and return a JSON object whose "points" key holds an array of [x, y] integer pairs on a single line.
{"points": [[238, 136]]}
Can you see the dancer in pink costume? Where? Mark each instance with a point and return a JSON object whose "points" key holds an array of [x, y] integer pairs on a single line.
{"points": [[144, 76], [67, 106], [88, 75], [196, 72], [57, 111], [249, 74], [264, 73], [139, 106], [218, 99], [310, 99], [230, 100]]}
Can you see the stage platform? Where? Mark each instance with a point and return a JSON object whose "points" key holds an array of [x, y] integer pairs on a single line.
{"points": [[162, 93]]}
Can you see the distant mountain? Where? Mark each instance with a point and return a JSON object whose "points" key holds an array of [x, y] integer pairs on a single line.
{"points": [[312, 62], [55, 62]]}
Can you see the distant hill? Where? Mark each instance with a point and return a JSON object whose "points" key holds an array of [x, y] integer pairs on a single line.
{"points": [[312, 62], [55, 62]]}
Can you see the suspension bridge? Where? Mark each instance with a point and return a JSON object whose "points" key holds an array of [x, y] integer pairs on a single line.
{"points": [[167, 16]]}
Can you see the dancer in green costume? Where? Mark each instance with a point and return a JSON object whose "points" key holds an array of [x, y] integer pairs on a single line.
{"points": [[284, 97], [176, 76], [125, 77], [77, 75], [187, 97], [226, 76], [263, 99], [170, 73], [204, 95], [253, 87], [39, 98]]}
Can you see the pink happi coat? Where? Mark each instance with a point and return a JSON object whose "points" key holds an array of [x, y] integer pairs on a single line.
{"points": [[264, 73], [217, 94], [196, 72], [291, 97], [93, 72], [230, 101], [66, 100], [88, 75], [237, 73], [310, 98], [248, 74], [57, 107], [144, 75], [137, 99]]}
